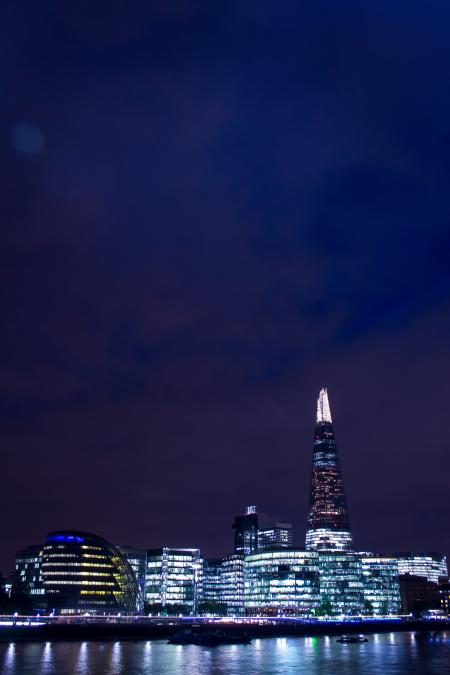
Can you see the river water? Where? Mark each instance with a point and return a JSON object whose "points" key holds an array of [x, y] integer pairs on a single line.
{"points": [[383, 654]]}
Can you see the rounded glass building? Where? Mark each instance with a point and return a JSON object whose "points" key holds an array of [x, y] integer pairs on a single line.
{"points": [[82, 572]]}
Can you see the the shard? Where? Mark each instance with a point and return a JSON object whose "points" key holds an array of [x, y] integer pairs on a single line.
{"points": [[328, 522]]}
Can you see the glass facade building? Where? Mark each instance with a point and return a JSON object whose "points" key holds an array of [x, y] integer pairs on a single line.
{"points": [[328, 522], [173, 581], [137, 558], [432, 566], [283, 582], [246, 532], [82, 572], [27, 577], [381, 585], [212, 601], [233, 584], [223, 586], [341, 584], [276, 536]]}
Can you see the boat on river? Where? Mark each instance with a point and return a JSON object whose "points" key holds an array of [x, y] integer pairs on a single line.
{"points": [[351, 639], [209, 638]]}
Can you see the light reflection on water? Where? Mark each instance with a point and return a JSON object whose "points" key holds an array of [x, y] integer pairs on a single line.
{"points": [[10, 655], [116, 658], [46, 658], [393, 653], [82, 660]]}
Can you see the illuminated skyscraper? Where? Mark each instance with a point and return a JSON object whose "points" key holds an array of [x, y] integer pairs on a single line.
{"points": [[328, 522], [246, 532]]}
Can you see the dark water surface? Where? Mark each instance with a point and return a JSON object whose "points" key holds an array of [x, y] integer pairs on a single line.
{"points": [[382, 654]]}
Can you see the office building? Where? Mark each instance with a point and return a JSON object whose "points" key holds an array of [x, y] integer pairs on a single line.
{"points": [[278, 535], [233, 584], [432, 566], [341, 584], [27, 577], [212, 601], [418, 594], [246, 532], [173, 581], [328, 522], [282, 582], [84, 573], [381, 585], [137, 558]]}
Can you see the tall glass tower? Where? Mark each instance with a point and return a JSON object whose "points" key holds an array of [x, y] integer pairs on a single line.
{"points": [[328, 522], [246, 532]]}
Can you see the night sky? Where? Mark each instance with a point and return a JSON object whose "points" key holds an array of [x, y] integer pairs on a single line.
{"points": [[210, 210]]}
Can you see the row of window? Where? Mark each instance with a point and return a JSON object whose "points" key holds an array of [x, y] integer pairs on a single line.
{"points": [[64, 582], [105, 565], [80, 573]]}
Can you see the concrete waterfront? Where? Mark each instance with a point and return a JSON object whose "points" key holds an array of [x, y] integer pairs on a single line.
{"points": [[43, 629]]}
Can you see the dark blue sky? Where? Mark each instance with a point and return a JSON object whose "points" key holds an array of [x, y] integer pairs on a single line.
{"points": [[210, 210]]}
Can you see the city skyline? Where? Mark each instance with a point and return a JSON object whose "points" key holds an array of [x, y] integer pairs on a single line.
{"points": [[209, 212], [264, 574], [327, 525]]}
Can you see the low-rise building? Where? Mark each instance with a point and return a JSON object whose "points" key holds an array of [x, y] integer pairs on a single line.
{"points": [[428, 565], [137, 558], [233, 584], [212, 601], [381, 585], [341, 584], [27, 576], [173, 581], [282, 582], [84, 573], [418, 594], [444, 595]]}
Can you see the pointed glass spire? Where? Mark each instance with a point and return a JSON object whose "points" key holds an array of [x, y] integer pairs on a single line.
{"points": [[323, 407], [328, 522]]}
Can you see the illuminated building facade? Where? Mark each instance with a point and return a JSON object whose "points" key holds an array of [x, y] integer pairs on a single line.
{"points": [[381, 585], [328, 522], [82, 572], [246, 532], [233, 584], [223, 586], [341, 584], [173, 581], [432, 566], [27, 577], [276, 536], [137, 558], [283, 582], [212, 601]]}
